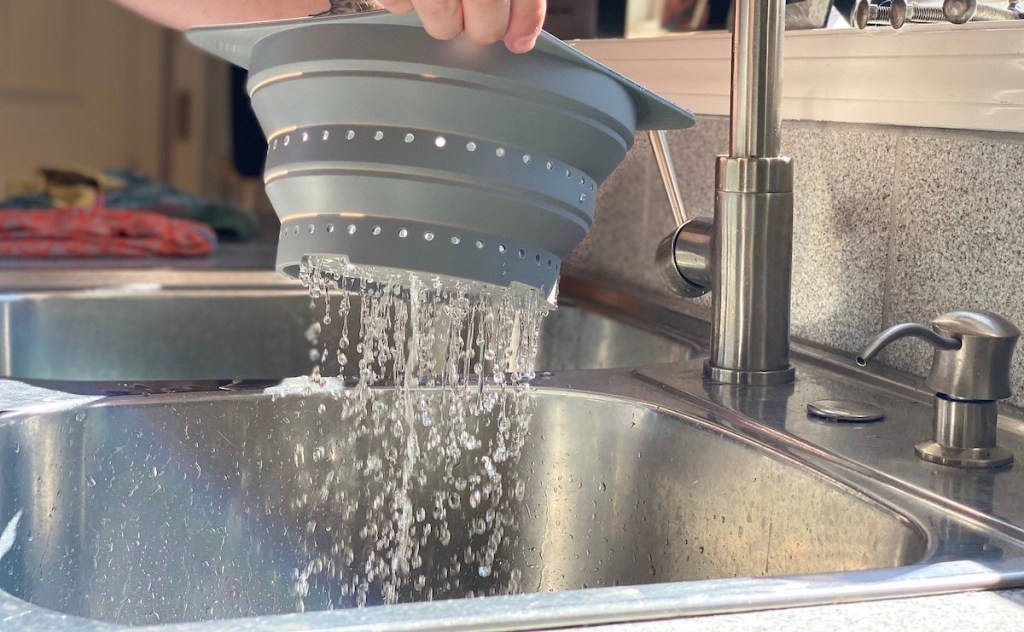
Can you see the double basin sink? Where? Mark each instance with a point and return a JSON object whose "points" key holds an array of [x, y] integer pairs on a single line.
{"points": [[163, 495]]}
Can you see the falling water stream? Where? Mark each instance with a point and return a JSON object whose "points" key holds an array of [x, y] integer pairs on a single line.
{"points": [[441, 401]]}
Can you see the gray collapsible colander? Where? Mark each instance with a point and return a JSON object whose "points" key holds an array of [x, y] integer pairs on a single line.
{"points": [[394, 150]]}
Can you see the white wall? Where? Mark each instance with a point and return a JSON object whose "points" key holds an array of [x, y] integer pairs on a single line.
{"points": [[82, 82]]}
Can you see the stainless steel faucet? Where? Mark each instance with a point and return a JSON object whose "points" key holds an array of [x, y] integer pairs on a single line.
{"points": [[970, 373], [745, 254]]}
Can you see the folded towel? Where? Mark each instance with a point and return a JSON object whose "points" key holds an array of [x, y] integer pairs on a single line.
{"points": [[101, 232]]}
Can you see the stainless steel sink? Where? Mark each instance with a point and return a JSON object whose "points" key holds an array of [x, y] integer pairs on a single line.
{"points": [[178, 508], [641, 500], [210, 329]]}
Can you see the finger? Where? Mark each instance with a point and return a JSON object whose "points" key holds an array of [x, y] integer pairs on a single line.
{"points": [[397, 7], [485, 21], [441, 18], [526, 18]]}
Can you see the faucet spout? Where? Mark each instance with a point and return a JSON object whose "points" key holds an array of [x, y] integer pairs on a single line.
{"points": [[905, 330]]}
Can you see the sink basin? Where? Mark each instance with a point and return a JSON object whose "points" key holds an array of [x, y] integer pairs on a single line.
{"points": [[180, 508], [164, 334]]}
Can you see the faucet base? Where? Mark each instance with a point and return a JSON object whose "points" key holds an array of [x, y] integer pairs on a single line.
{"points": [[748, 378], [968, 458]]}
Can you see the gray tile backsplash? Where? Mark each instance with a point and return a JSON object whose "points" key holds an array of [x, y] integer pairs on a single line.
{"points": [[891, 225]]}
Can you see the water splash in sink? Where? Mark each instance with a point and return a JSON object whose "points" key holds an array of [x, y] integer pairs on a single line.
{"points": [[459, 358]]}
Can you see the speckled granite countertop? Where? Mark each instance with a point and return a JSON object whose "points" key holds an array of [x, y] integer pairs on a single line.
{"points": [[999, 610]]}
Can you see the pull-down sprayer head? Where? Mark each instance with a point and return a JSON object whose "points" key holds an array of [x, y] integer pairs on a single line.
{"points": [[394, 152]]}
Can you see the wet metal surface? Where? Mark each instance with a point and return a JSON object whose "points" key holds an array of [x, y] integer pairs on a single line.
{"points": [[693, 498], [152, 334]]}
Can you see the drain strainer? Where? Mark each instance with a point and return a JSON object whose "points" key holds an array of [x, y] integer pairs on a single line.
{"points": [[845, 410]]}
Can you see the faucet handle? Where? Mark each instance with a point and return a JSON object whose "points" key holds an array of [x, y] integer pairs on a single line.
{"points": [[973, 351]]}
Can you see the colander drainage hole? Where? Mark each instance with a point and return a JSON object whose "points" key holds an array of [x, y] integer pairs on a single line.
{"points": [[499, 152], [479, 244], [311, 229], [409, 138], [440, 142], [429, 236], [470, 146], [351, 229], [403, 233], [522, 253], [502, 248], [456, 240], [376, 230], [378, 135], [330, 228]]}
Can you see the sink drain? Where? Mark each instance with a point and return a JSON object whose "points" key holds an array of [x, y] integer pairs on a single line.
{"points": [[845, 411]]}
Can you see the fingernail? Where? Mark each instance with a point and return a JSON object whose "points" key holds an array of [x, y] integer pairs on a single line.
{"points": [[523, 44]]}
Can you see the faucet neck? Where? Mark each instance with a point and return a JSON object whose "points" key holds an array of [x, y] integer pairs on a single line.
{"points": [[755, 111]]}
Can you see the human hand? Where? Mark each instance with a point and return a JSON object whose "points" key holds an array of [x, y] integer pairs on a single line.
{"points": [[515, 22]]}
